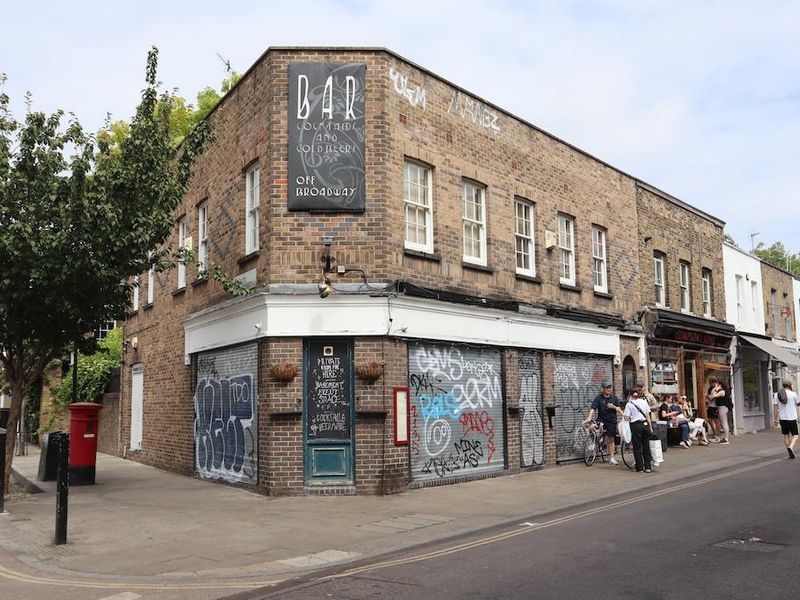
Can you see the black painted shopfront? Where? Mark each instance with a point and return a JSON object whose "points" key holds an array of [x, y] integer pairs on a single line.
{"points": [[684, 351]]}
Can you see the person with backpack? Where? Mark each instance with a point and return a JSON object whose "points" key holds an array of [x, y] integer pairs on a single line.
{"points": [[784, 409]]}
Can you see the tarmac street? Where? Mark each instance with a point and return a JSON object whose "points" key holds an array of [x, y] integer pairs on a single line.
{"points": [[144, 531]]}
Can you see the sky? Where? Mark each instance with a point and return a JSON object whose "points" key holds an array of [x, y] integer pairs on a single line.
{"points": [[698, 98]]}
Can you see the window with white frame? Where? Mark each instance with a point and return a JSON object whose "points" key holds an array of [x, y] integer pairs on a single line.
{"points": [[474, 218], [706, 293], [418, 198], [524, 221], [135, 292], [104, 329], [686, 298], [787, 316], [739, 300], [252, 195], [599, 265], [774, 312], [566, 250], [182, 245], [755, 301], [202, 239], [151, 282], [659, 281]]}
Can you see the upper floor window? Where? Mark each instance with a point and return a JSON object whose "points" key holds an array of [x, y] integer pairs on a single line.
{"points": [[775, 312], [566, 250], [252, 194], [151, 283], [787, 317], [182, 245], [135, 292], [739, 300], [418, 198], [599, 265], [754, 299], [706, 293], [659, 279], [524, 237], [474, 218], [104, 329], [686, 297], [202, 238]]}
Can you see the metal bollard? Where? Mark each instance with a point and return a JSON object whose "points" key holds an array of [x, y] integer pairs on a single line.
{"points": [[62, 483], [2, 467]]}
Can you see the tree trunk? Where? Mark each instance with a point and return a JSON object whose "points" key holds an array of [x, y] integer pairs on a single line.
{"points": [[17, 396]]}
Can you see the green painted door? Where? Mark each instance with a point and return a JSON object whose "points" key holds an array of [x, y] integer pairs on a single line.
{"points": [[328, 411]]}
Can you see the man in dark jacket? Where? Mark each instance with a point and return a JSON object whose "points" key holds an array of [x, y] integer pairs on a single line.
{"points": [[605, 407]]}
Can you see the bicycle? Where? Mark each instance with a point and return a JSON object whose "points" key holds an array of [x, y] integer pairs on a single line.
{"points": [[595, 443]]}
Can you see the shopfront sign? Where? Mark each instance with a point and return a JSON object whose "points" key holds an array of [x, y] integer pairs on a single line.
{"points": [[691, 337]]}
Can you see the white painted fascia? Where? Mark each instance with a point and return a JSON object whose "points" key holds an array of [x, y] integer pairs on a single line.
{"points": [[265, 315]]}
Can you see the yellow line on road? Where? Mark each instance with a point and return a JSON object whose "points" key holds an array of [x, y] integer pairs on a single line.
{"points": [[493, 539], [12, 575]]}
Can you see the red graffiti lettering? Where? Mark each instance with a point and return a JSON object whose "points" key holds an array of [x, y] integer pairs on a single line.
{"points": [[480, 423]]}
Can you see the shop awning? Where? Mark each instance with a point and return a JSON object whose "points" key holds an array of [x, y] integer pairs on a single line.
{"points": [[777, 352]]}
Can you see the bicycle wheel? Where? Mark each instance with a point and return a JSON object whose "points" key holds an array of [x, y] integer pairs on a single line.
{"points": [[626, 452], [589, 449], [602, 448]]}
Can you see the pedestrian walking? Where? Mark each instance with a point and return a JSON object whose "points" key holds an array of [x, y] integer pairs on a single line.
{"points": [[636, 411], [784, 409]]}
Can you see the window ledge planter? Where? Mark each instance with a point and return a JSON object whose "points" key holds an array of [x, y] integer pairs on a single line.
{"points": [[283, 371], [370, 371]]}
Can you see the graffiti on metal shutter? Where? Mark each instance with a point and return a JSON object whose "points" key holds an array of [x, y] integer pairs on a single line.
{"points": [[226, 419], [530, 404], [456, 411], [577, 381]]}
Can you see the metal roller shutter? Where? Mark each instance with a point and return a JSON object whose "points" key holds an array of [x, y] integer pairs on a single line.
{"points": [[530, 404], [456, 411], [226, 415], [577, 380]]}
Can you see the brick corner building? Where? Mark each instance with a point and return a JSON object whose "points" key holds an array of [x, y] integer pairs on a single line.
{"points": [[438, 287]]}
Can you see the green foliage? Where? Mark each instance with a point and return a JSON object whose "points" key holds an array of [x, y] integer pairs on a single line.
{"points": [[80, 217], [779, 256], [94, 371]]}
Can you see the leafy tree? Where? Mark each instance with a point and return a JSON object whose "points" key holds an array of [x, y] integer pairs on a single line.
{"points": [[779, 256], [79, 217]]}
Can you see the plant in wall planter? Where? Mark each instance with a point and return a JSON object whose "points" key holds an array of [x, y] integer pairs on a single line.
{"points": [[370, 371], [284, 371]]}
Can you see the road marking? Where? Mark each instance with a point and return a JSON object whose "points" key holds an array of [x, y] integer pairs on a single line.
{"points": [[123, 596], [536, 527], [318, 559], [12, 575]]}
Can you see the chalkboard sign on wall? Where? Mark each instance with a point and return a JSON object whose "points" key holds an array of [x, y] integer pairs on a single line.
{"points": [[326, 137], [328, 415]]}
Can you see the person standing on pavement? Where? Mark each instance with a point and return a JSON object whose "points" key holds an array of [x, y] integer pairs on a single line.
{"points": [[605, 407], [719, 393], [636, 411], [784, 409]]}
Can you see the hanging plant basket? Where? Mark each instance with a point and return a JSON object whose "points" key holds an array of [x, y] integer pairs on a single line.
{"points": [[283, 371], [369, 371]]}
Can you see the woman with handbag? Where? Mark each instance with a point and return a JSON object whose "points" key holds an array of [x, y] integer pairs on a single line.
{"points": [[636, 411]]}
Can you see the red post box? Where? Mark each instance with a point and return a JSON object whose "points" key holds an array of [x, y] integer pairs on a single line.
{"points": [[84, 420]]}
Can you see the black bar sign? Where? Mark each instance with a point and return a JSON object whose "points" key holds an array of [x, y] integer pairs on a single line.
{"points": [[326, 137]]}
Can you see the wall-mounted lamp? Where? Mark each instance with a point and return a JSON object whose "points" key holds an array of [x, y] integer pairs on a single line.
{"points": [[325, 286]]}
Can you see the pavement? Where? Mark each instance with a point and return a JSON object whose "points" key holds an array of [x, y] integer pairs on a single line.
{"points": [[139, 523]]}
